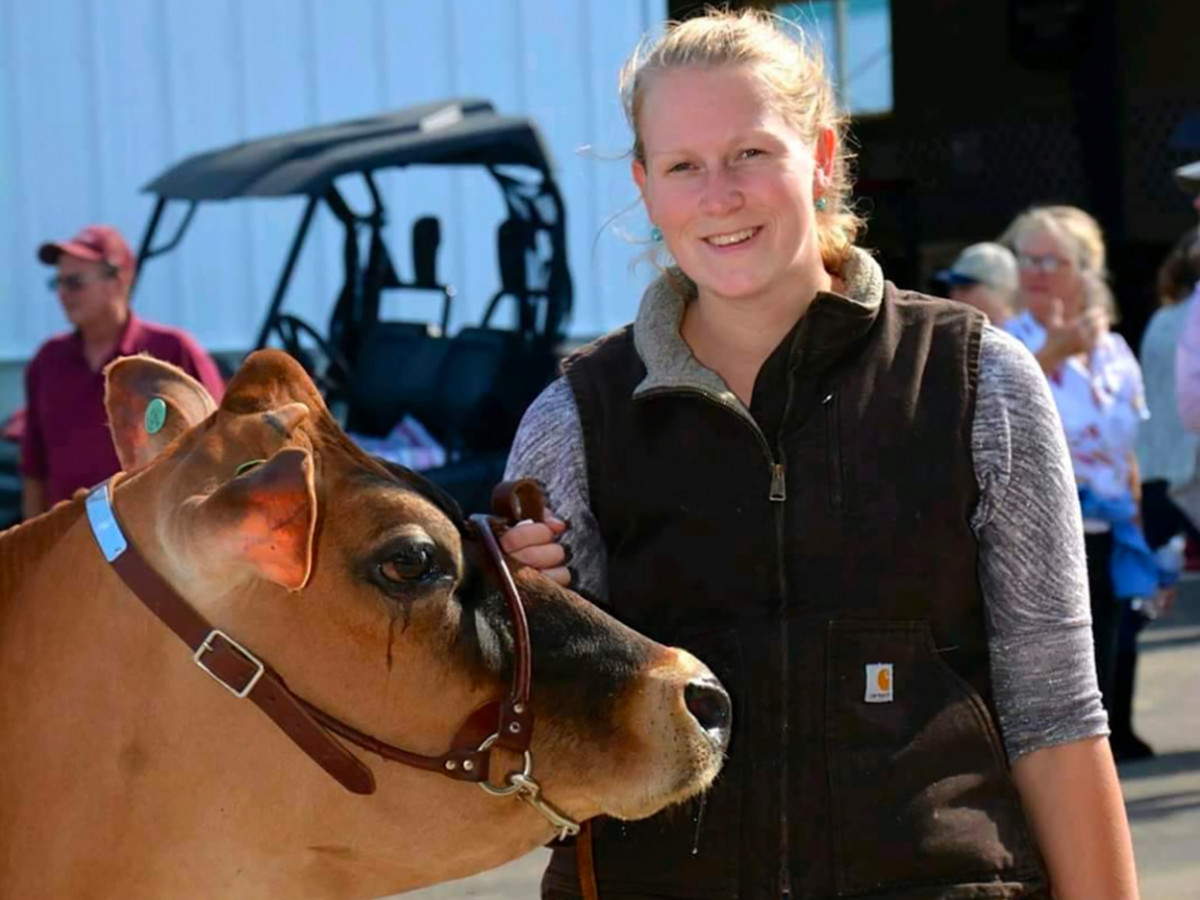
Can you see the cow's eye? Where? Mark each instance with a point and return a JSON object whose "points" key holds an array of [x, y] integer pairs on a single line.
{"points": [[412, 562]]}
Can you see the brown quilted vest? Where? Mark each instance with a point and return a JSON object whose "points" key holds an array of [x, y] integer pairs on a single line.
{"points": [[817, 554]]}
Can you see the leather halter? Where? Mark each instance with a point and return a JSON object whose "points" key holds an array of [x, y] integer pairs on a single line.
{"points": [[247, 676]]}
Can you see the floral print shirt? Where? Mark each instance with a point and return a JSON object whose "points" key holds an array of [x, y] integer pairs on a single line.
{"points": [[1101, 401]]}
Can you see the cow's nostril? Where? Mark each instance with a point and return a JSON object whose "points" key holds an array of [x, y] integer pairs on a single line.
{"points": [[708, 703]]}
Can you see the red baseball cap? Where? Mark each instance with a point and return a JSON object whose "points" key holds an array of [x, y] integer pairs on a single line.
{"points": [[98, 243]]}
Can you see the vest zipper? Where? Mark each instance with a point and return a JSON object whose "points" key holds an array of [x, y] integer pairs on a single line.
{"points": [[785, 873], [778, 484], [777, 496]]}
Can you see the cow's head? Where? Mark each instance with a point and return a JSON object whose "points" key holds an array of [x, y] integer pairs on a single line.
{"points": [[362, 585]]}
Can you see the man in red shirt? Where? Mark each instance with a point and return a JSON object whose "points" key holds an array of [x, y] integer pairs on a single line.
{"points": [[66, 443]]}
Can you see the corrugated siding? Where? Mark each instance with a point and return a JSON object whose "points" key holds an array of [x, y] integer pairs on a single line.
{"points": [[98, 97]]}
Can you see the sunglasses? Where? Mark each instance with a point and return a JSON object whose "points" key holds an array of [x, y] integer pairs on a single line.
{"points": [[1045, 263], [72, 283]]}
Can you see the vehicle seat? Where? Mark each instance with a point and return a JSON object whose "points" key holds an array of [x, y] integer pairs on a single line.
{"points": [[395, 373], [468, 391], [471, 411], [515, 242]]}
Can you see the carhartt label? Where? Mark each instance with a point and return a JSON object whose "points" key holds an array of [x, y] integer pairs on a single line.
{"points": [[879, 683]]}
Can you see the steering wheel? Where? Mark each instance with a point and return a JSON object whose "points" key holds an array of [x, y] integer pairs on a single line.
{"points": [[321, 360]]}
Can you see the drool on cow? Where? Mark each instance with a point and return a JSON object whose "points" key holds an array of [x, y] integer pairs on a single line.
{"points": [[125, 771]]}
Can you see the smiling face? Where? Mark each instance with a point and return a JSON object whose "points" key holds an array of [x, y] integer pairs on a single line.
{"points": [[730, 182]]}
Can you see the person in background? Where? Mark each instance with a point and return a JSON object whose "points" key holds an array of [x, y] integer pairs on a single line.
{"points": [[1166, 450], [1187, 360], [1096, 384], [1187, 371], [984, 276], [1166, 455], [853, 502], [1187, 178], [66, 443]]}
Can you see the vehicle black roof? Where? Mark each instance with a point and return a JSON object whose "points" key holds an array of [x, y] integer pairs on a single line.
{"points": [[464, 131]]}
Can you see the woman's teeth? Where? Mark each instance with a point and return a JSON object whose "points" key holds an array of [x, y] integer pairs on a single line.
{"points": [[734, 237]]}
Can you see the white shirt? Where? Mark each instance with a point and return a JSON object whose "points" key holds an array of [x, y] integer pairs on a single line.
{"points": [[1101, 402]]}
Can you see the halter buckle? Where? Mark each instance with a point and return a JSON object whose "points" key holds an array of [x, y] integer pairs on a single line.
{"points": [[206, 646]]}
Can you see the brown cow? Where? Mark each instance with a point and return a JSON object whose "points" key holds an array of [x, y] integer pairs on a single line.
{"points": [[125, 771]]}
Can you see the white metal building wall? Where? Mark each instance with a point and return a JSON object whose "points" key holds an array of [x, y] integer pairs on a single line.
{"points": [[98, 96]]}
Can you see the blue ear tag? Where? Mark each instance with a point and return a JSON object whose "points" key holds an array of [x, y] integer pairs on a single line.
{"points": [[156, 415]]}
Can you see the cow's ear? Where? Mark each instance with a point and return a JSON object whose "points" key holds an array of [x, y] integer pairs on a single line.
{"points": [[150, 403], [265, 518]]}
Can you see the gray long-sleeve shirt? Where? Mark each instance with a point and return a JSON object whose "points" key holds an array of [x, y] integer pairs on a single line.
{"points": [[1032, 569]]}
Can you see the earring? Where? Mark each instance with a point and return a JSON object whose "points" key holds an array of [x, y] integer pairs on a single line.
{"points": [[656, 234], [820, 204]]}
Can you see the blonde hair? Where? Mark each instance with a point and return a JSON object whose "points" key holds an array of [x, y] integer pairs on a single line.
{"points": [[1083, 237], [793, 71], [1070, 224]]}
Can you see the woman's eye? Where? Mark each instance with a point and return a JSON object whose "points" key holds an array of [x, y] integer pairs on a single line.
{"points": [[410, 564], [750, 153]]}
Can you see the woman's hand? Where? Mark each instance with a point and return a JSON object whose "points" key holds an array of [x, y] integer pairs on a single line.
{"points": [[1066, 339], [1164, 600], [536, 544]]}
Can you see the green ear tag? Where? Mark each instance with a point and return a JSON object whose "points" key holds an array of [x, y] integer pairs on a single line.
{"points": [[247, 466], [156, 415]]}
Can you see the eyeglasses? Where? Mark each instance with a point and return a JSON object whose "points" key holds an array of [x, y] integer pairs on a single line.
{"points": [[72, 283], [1046, 263]]}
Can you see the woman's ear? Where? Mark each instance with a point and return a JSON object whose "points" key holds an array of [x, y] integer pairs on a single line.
{"points": [[825, 155], [638, 169]]}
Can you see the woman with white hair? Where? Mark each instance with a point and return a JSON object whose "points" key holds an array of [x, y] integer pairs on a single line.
{"points": [[1097, 387]]}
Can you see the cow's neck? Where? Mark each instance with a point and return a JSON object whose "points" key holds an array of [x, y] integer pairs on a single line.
{"points": [[127, 773], [99, 705]]}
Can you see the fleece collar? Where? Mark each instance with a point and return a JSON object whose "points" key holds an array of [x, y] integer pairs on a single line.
{"points": [[669, 362]]}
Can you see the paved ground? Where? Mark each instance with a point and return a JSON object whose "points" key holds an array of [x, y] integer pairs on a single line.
{"points": [[1162, 794]]}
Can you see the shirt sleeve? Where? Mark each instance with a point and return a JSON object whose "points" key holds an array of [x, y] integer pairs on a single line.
{"points": [[549, 448], [1187, 367], [33, 448], [1032, 569], [196, 362]]}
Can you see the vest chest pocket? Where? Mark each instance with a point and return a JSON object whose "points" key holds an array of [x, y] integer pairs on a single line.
{"points": [[920, 793]]}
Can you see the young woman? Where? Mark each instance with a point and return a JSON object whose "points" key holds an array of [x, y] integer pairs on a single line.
{"points": [[853, 502]]}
